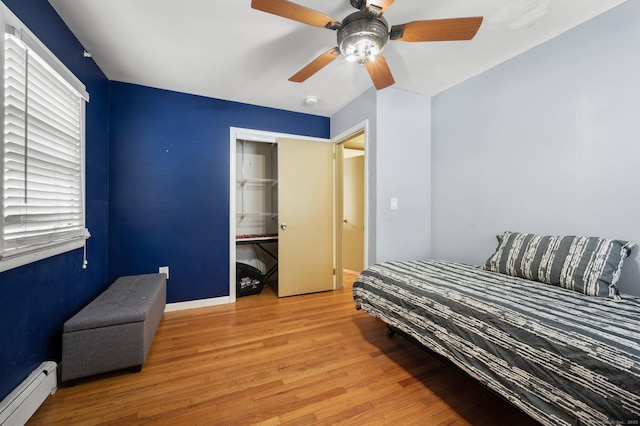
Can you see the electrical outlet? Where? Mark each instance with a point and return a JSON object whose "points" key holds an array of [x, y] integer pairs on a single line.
{"points": [[164, 270]]}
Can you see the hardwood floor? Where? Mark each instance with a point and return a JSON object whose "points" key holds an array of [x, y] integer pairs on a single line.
{"points": [[301, 360]]}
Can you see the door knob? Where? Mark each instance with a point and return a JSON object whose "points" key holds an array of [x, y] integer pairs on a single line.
{"points": [[283, 226]]}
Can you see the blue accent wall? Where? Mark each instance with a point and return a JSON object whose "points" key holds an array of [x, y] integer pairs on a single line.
{"points": [[169, 183], [157, 193], [36, 299]]}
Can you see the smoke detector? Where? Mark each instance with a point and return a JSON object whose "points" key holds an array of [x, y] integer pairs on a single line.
{"points": [[311, 101]]}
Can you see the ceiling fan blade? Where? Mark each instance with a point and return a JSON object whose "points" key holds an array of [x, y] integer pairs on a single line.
{"points": [[382, 4], [316, 65], [437, 29], [294, 11], [379, 72]]}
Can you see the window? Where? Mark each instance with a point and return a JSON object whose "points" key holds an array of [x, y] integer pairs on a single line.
{"points": [[42, 155]]}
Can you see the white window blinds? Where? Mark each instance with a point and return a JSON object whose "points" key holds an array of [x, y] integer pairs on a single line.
{"points": [[43, 193]]}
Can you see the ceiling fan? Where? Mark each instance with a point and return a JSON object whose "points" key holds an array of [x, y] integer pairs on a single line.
{"points": [[363, 34]]}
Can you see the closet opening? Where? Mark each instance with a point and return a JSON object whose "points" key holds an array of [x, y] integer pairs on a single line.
{"points": [[286, 212], [256, 227]]}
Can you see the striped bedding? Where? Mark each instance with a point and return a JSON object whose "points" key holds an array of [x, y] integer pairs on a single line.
{"points": [[562, 357]]}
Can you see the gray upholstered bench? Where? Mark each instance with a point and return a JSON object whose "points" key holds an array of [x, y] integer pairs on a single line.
{"points": [[115, 330]]}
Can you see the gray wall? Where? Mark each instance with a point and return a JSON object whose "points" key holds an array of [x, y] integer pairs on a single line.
{"points": [[398, 157], [547, 142], [403, 171]]}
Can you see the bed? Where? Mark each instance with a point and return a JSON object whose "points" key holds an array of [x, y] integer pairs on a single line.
{"points": [[564, 352]]}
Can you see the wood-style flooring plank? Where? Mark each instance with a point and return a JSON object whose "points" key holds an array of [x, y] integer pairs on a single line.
{"points": [[302, 360]]}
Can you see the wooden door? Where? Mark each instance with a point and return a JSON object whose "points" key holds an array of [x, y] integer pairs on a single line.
{"points": [[353, 212], [305, 215]]}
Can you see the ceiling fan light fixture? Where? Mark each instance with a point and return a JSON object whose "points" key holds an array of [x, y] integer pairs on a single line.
{"points": [[362, 37], [362, 50]]}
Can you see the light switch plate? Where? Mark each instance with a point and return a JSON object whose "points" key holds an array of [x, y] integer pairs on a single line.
{"points": [[394, 203]]}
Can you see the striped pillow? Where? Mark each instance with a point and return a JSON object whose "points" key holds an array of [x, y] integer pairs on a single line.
{"points": [[589, 265]]}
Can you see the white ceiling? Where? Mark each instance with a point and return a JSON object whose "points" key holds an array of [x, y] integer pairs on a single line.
{"points": [[224, 49]]}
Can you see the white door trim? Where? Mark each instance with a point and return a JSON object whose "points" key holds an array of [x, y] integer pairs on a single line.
{"points": [[362, 126]]}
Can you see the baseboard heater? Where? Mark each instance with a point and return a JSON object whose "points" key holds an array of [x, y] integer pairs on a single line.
{"points": [[20, 404]]}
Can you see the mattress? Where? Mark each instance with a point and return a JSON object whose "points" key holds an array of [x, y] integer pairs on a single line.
{"points": [[560, 356]]}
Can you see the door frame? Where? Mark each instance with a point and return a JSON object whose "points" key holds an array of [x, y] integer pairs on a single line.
{"points": [[362, 127], [267, 136]]}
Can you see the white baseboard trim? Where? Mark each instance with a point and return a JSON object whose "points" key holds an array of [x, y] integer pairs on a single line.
{"points": [[193, 304]]}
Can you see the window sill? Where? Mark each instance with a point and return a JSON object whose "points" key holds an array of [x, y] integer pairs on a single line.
{"points": [[22, 259]]}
